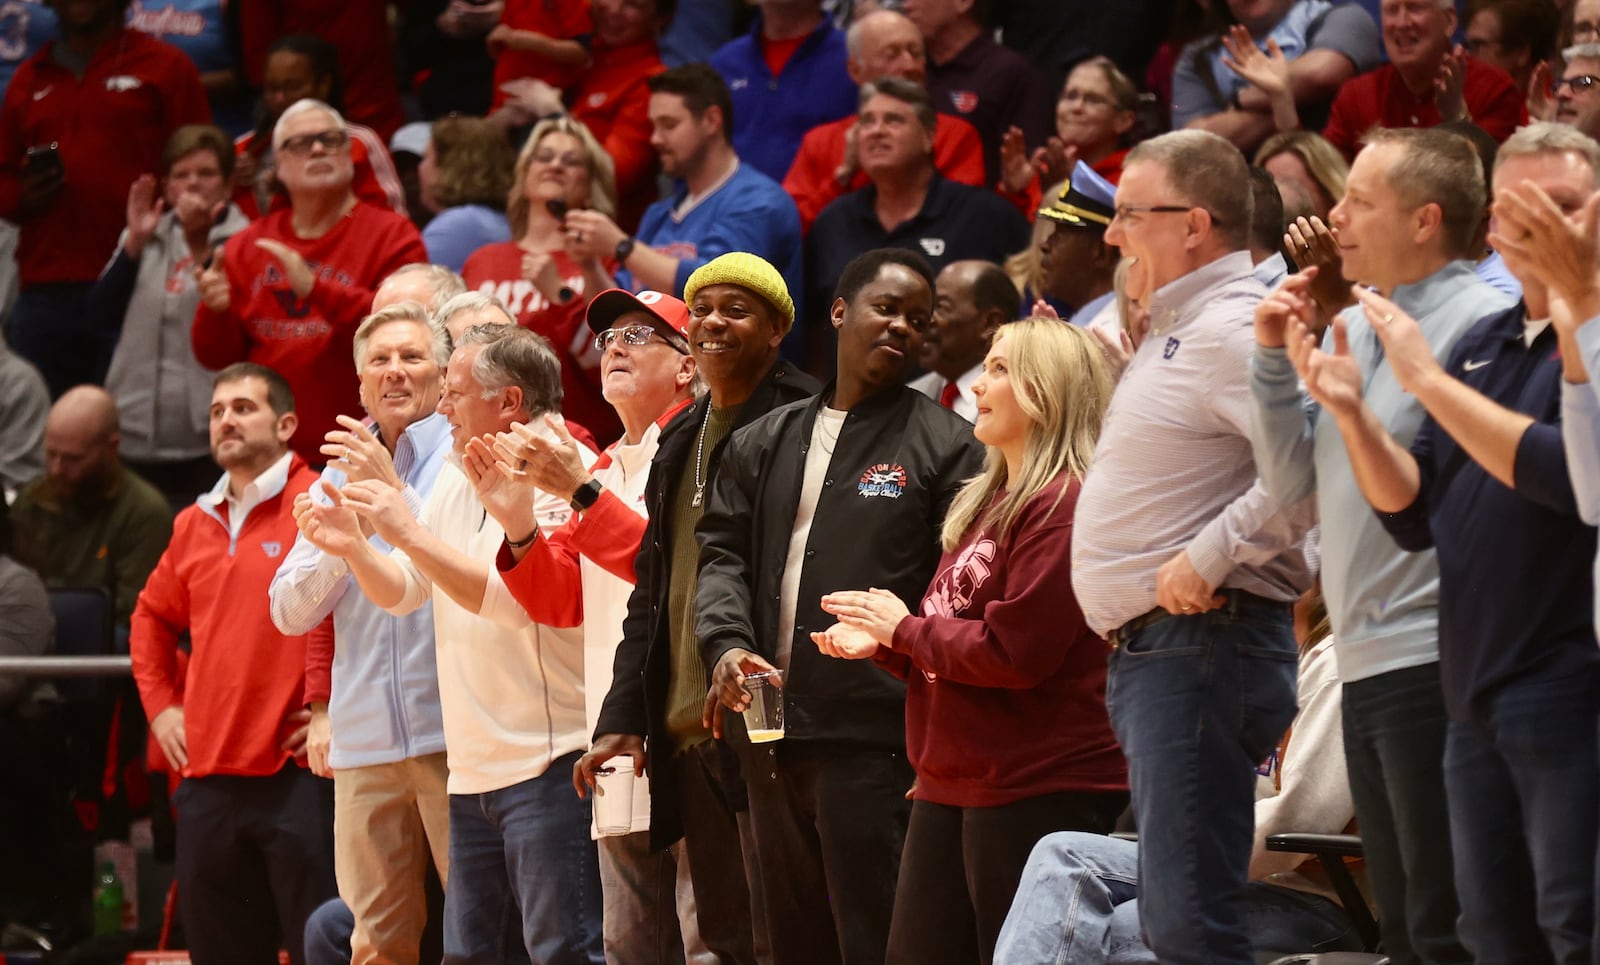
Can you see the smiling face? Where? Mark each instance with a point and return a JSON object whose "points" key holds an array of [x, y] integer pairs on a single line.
{"points": [[1374, 223], [1416, 33], [400, 381], [558, 169], [880, 330], [462, 402], [733, 333], [1576, 104], [198, 173], [1157, 238], [1087, 115], [1001, 422]]}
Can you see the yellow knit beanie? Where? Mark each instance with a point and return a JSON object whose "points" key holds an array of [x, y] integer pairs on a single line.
{"points": [[747, 271]]}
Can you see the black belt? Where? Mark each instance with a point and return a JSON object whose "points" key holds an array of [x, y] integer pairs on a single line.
{"points": [[1235, 599]]}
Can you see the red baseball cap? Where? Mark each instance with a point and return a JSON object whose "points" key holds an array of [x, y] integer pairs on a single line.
{"points": [[612, 304]]}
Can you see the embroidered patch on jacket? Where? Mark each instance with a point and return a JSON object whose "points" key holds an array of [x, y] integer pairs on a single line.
{"points": [[883, 479]]}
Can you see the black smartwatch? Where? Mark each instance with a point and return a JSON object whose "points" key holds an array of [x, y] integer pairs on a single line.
{"points": [[586, 495], [624, 249]]}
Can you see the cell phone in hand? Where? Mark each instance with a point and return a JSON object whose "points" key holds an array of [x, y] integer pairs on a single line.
{"points": [[44, 159], [557, 207]]}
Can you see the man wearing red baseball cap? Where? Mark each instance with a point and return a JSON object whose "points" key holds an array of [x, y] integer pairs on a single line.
{"points": [[585, 571]]}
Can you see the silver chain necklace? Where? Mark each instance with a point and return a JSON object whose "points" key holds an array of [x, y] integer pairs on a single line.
{"points": [[700, 464]]}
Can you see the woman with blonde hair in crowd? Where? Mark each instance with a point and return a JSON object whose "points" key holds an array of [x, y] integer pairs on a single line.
{"points": [[1309, 170], [464, 176], [1006, 721], [560, 168]]}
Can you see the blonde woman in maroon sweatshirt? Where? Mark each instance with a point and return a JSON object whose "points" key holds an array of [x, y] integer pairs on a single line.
{"points": [[1005, 705]]}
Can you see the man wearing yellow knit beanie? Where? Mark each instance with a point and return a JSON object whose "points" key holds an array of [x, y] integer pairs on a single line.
{"points": [[739, 311]]}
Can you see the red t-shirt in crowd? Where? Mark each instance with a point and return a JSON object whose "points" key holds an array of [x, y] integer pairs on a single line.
{"points": [[111, 126], [957, 153], [359, 28], [308, 341], [1379, 98], [613, 101], [244, 679], [497, 270], [556, 19], [1005, 682]]}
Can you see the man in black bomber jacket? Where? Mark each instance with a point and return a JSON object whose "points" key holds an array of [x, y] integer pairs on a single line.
{"points": [[847, 489], [739, 312]]}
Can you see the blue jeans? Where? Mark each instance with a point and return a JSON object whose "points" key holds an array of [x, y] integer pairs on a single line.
{"points": [[1197, 703], [1394, 733], [1524, 788], [1078, 904], [524, 876]]}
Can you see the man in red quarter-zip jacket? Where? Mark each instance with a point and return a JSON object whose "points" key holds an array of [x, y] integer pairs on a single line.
{"points": [[255, 828]]}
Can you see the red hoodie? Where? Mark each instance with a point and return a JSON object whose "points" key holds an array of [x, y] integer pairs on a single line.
{"points": [[1005, 682], [308, 342], [613, 101], [244, 678]]}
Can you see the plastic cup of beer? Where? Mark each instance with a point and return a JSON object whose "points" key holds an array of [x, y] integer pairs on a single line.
{"points": [[613, 796], [763, 719]]}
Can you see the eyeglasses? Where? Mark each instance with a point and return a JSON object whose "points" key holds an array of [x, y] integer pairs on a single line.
{"points": [[634, 335], [1086, 98], [1585, 31], [1582, 82], [301, 144], [1125, 211]]}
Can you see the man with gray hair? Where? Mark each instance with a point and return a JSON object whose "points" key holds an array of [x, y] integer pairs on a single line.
{"points": [[1408, 227], [377, 732], [908, 204], [511, 689], [469, 310], [1577, 93], [289, 291], [1181, 559], [1484, 484], [428, 285]]}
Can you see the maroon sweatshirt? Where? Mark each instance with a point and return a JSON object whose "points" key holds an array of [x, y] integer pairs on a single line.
{"points": [[1006, 683]]}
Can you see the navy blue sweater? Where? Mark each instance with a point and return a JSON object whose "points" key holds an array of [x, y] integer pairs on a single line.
{"points": [[1515, 595]]}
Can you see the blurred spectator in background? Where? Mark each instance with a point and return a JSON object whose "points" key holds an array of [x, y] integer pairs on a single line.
{"points": [[971, 300], [1513, 35], [1325, 45], [359, 32], [1310, 172], [786, 76], [1096, 117], [206, 33], [26, 25], [148, 294], [538, 40], [543, 276], [95, 108], [1057, 34], [613, 98], [880, 44], [89, 522], [24, 403], [289, 290], [697, 30], [1075, 263], [442, 43], [1577, 93], [302, 66], [992, 86], [464, 178]]}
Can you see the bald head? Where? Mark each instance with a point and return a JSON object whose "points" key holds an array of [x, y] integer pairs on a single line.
{"points": [[971, 300], [885, 44], [428, 285], [80, 440]]}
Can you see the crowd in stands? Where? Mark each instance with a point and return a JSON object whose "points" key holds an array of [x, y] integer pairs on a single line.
{"points": [[1174, 419]]}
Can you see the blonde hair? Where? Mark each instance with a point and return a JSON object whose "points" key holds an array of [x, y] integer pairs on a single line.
{"points": [[1026, 268], [602, 172], [1324, 162], [1059, 376]]}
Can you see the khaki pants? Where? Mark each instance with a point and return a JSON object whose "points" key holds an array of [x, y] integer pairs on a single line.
{"points": [[387, 820]]}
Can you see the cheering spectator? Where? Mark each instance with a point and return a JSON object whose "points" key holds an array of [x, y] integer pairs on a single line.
{"points": [[1513, 35], [1006, 721], [881, 44], [1309, 171], [290, 289], [1577, 93], [723, 205], [1424, 82], [613, 98], [908, 204], [538, 40], [255, 828], [971, 300], [544, 275], [358, 30], [992, 86], [1325, 45], [465, 177], [878, 465], [298, 67], [786, 76], [148, 293], [1097, 110], [99, 127]]}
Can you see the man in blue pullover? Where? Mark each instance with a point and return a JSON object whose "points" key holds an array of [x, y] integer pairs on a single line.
{"points": [[1484, 484], [1406, 226]]}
